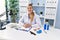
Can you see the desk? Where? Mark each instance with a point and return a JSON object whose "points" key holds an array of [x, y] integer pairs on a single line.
{"points": [[13, 34]]}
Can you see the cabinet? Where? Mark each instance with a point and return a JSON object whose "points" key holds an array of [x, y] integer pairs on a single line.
{"points": [[23, 7], [46, 9], [51, 11]]}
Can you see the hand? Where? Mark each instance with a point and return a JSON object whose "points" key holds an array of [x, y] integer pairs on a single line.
{"points": [[36, 29], [27, 25]]}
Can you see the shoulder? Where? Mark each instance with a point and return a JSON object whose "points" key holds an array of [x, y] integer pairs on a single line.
{"points": [[24, 15], [37, 16]]}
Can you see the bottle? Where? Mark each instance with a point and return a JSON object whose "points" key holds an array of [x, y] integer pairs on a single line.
{"points": [[46, 26]]}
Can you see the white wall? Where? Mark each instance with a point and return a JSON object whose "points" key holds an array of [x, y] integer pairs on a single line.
{"points": [[2, 9], [57, 24], [2, 6]]}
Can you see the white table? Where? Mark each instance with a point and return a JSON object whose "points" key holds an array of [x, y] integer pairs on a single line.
{"points": [[3, 17], [13, 34]]}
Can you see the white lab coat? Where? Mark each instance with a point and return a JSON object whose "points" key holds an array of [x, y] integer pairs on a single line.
{"points": [[25, 19]]}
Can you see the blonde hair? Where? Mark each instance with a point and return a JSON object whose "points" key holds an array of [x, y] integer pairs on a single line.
{"points": [[32, 14]]}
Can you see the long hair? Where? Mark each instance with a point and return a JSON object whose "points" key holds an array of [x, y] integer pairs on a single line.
{"points": [[32, 14]]}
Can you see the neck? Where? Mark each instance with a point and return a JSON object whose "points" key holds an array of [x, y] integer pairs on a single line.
{"points": [[31, 13], [31, 16]]}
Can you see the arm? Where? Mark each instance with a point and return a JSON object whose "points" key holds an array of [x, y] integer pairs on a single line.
{"points": [[21, 21], [37, 25], [38, 22]]}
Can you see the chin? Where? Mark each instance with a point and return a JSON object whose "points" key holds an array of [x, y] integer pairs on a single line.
{"points": [[29, 12]]}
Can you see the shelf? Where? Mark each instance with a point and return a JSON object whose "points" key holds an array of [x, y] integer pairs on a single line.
{"points": [[38, 6], [23, 1], [49, 18], [41, 16], [33, 6], [23, 6]]}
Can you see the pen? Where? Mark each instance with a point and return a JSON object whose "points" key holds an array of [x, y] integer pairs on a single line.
{"points": [[32, 33]]}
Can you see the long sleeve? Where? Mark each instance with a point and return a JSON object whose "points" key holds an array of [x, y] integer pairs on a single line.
{"points": [[38, 22], [21, 21]]}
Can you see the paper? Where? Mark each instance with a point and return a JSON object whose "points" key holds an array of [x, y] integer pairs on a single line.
{"points": [[20, 27], [23, 28]]}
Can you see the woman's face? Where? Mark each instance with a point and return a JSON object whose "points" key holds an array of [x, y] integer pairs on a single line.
{"points": [[30, 9]]}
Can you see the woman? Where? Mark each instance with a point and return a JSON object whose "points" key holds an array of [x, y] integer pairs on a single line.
{"points": [[31, 18]]}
